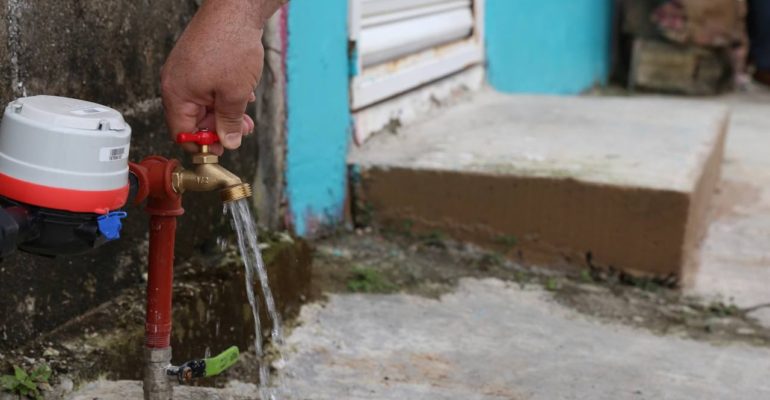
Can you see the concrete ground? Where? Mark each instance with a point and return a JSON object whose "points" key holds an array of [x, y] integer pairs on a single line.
{"points": [[735, 255], [489, 340], [120, 390]]}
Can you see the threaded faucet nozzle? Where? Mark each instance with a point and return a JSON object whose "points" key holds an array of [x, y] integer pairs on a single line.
{"points": [[235, 192]]}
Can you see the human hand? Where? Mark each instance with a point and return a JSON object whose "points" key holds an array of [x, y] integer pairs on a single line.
{"points": [[212, 72]]}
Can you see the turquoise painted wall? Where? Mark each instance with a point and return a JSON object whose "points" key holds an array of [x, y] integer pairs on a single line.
{"points": [[318, 120], [548, 46]]}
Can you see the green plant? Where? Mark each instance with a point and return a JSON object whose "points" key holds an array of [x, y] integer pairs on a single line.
{"points": [[491, 259], [722, 310], [552, 284], [507, 241], [522, 278], [403, 227], [368, 280], [434, 239], [26, 384], [643, 283]]}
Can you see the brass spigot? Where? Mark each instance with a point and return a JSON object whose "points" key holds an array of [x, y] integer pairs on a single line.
{"points": [[207, 175]]}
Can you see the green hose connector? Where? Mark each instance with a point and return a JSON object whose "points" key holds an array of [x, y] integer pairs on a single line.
{"points": [[206, 367], [224, 360]]}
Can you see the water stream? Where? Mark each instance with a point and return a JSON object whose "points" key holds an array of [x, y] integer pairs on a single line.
{"points": [[245, 229]]}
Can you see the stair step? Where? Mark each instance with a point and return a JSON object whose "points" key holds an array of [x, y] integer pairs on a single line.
{"points": [[573, 181]]}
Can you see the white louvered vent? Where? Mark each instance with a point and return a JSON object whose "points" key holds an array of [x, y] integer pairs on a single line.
{"points": [[391, 29], [404, 44]]}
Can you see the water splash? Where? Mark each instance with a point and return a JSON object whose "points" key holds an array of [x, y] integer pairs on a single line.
{"points": [[245, 229]]}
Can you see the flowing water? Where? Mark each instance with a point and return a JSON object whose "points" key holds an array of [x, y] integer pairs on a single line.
{"points": [[245, 229]]}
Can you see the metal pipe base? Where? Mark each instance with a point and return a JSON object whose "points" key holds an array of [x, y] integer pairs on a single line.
{"points": [[156, 384]]}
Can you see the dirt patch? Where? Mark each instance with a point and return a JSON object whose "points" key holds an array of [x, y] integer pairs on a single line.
{"points": [[430, 265]]}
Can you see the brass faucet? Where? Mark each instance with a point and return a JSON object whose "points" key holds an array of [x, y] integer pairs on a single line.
{"points": [[207, 175]]}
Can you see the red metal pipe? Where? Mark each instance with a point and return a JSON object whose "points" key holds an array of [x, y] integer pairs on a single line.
{"points": [[160, 281], [164, 206]]}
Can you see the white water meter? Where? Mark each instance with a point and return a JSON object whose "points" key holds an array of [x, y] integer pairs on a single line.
{"points": [[64, 154]]}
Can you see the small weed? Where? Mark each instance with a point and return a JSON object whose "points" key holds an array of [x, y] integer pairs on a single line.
{"points": [[402, 228], [522, 278], [406, 227], [650, 284], [723, 310], [490, 260], [26, 384], [507, 241], [363, 213], [434, 239], [552, 284], [585, 276], [647, 284], [368, 280]]}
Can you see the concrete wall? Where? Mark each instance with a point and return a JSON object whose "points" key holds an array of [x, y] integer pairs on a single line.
{"points": [[318, 113], [110, 52], [548, 46]]}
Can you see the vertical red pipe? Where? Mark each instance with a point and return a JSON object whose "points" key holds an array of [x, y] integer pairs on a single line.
{"points": [[163, 206], [160, 279]]}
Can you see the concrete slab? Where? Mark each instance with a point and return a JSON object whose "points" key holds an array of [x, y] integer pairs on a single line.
{"points": [[613, 182], [488, 340]]}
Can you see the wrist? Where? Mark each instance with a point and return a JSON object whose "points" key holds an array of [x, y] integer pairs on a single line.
{"points": [[256, 11]]}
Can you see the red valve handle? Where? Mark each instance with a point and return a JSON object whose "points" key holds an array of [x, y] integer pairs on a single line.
{"points": [[203, 137]]}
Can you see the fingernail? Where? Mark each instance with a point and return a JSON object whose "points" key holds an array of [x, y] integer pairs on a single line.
{"points": [[233, 139]]}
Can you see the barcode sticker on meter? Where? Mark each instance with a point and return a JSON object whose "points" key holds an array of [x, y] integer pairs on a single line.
{"points": [[113, 153]]}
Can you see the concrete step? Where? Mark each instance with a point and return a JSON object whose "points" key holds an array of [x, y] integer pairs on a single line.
{"points": [[619, 183]]}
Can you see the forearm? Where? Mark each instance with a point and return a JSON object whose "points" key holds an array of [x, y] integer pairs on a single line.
{"points": [[211, 73], [268, 8], [256, 11]]}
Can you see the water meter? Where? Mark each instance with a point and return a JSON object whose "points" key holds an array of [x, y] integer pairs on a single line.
{"points": [[63, 175]]}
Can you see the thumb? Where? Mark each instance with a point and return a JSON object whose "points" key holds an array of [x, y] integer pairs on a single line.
{"points": [[181, 116], [228, 115]]}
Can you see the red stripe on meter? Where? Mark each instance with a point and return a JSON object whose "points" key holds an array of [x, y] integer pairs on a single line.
{"points": [[85, 201]]}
